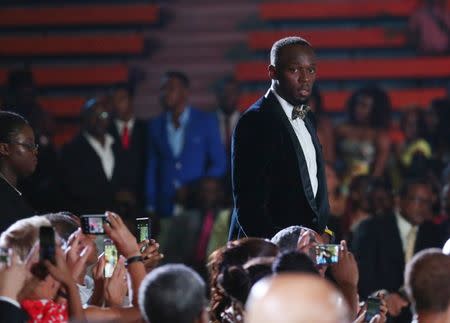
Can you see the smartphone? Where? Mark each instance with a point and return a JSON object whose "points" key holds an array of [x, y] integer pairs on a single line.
{"points": [[326, 254], [143, 229], [4, 256], [93, 223], [111, 258], [47, 244], [373, 308]]}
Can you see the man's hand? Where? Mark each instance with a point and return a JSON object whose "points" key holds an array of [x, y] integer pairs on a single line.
{"points": [[151, 254], [346, 270], [122, 237], [395, 303], [116, 286], [12, 276]]}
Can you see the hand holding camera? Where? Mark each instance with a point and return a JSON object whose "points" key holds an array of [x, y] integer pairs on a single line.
{"points": [[116, 286], [345, 271], [123, 239]]}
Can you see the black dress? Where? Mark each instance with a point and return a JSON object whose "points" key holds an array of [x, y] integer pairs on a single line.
{"points": [[12, 206]]}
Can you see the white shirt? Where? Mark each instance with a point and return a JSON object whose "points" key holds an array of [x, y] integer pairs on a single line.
{"points": [[304, 138], [121, 124], [234, 117], [10, 300], [105, 153], [404, 227], [86, 290]]}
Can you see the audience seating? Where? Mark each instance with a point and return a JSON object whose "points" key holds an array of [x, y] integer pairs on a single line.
{"points": [[335, 101], [382, 68], [64, 106], [341, 38], [71, 45], [79, 15], [273, 11], [95, 75]]}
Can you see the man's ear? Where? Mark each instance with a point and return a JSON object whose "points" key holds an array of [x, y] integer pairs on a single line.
{"points": [[4, 149], [272, 72]]}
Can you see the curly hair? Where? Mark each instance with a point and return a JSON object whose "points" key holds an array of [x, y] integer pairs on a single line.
{"points": [[381, 111], [228, 280]]}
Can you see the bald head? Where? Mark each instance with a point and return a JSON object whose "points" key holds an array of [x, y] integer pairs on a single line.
{"points": [[296, 298], [427, 281]]}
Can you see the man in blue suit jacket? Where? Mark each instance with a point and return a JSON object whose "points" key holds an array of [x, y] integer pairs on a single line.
{"points": [[184, 146]]}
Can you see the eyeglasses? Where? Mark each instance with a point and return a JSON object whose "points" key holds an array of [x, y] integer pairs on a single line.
{"points": [[29, 146]]}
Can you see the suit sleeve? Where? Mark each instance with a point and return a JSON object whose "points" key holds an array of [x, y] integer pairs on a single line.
{"points": [[364, 246], [10, 312], [215, 150], [151, 173], [250, 157]]}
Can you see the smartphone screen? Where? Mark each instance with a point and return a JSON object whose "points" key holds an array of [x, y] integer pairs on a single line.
{"points": [[111, 258], [326, 254], [47, 244], [373, 308], [93, 224], [143, 229]]}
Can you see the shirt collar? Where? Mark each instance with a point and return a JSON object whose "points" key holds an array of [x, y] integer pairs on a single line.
{"points": [[287, 107], [109, 140], [184, 117], [403, 225], [120, 124]]}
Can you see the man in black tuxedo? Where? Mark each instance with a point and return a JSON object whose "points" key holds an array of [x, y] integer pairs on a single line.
{"points": [[130, 134], [277, 165], [383, 244], [88, 165]]}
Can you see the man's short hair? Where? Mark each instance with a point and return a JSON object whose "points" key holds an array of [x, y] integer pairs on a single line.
{"points": [[172, 293], [294, 261], [181, 76], [284, 42], [427, 280], [287, 239]]}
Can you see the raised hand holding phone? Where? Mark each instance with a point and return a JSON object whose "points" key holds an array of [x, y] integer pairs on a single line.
{"points": [[123, 239]]}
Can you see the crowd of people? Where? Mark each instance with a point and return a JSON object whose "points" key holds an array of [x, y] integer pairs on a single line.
{"points": [[388, 191]]}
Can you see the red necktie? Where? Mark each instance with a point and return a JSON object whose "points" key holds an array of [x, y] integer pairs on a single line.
{"points": [[208, 223], [125, 137]]}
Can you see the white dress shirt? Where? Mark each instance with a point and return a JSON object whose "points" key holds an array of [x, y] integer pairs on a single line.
{"points": [[121, 124], [105, 153], [10, 300], [234, 117], [304, 138], [404, 227]]}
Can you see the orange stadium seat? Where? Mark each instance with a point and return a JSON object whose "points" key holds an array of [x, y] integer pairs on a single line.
{"points": [[76, 75], [335, 101], [379, 68], [331, 38], [78, 15], [340, 9], [71, 45]]}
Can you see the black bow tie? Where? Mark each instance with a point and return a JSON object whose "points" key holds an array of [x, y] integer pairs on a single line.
{"points": [[300, 111]]}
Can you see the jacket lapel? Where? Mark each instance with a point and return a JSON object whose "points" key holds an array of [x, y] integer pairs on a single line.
{"points": [[275, 106]]}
